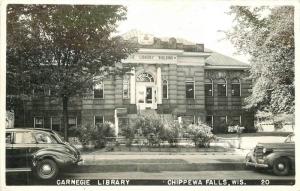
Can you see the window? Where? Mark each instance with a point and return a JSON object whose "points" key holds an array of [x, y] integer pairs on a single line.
{"points": [[189, 90], [99, 90], [24, 137], [208, 87], [126, 87], [144, 77], [8, 138], [209, 120], [56, 123], [222, 89], [72, 122], [220, 124], [222, 120], [236, 120], [38, 91], [38, 122], [98, 120], [72, 125], [235, 87], [165, 89]]}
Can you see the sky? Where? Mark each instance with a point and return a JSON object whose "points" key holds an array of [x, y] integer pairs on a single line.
{"points": [[194, 21]]}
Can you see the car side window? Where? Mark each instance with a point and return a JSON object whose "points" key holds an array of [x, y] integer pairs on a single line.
{"points": [[44, 138], [8, 138], [24, 137]]}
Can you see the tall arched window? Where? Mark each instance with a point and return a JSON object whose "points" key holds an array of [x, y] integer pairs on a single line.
{"points": [[165, 89], [208, 87], [144, 77], [222, 87], [126, 87], [99, 90], [235, 87], [190, 89]]}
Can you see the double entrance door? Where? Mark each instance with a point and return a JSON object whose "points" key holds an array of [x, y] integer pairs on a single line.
{"points": [[146, 96]]}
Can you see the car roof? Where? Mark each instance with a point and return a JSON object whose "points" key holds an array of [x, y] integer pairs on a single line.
{"points": [[30, 129]]}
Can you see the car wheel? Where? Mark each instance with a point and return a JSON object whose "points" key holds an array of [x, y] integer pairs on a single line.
{"points": [[281, 167], [46, 169]]}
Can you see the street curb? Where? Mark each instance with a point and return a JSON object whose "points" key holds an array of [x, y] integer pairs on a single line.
{"points": [[158, 167]]}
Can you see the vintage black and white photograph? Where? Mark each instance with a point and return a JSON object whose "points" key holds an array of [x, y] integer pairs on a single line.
{"points": [[149, 93]]}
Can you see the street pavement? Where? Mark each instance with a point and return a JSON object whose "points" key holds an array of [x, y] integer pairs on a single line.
{"points": [[157, 166], [243, 174], [100, 161]]}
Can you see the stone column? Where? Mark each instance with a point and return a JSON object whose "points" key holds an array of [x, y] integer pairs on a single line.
{"points": [[132, 86], [116, 123], [159, 87]]}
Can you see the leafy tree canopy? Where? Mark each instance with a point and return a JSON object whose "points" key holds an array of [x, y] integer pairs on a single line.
{"points": [[63, 47], [267, 35]]}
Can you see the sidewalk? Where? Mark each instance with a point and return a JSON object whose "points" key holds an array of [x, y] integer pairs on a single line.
{"points": [[100, 161], [100, 157]]}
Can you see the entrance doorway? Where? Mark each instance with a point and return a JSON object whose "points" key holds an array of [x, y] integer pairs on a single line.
{"points": [[146, 97], [145, 92]]}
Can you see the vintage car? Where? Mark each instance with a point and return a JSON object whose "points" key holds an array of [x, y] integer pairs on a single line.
{"points": [[279, 157], [40, 151]]}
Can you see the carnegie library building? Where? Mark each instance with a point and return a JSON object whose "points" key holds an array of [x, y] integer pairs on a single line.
{"points": [[171, 77]]}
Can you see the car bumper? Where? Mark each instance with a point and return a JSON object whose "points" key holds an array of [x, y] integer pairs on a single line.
{"points": [[72, 161], [80, 162]]}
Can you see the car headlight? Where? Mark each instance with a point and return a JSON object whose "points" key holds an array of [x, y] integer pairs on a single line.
{"points": [[266, 150]]}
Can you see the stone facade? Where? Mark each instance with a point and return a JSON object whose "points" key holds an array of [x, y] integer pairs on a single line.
{"points": [[174, 80]]}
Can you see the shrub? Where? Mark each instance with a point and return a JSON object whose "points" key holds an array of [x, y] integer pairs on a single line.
{"points": [[103, 131], [151, 128], [172, 132], [200, 134], [86, 134], [129, 133], [235, 129]]}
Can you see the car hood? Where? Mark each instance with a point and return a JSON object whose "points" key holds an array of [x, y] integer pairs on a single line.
{"points": [[277, 145], [71, 147]]}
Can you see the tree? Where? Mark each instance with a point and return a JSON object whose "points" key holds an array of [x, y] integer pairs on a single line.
{"points": [[267, 35], [65, 48]]}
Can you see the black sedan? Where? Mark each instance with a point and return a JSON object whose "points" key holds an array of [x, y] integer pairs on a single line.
{"points": [[40, 151]]}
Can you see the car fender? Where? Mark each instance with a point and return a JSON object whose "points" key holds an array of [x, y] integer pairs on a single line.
{"points": [[269, 159], [61, 157]]}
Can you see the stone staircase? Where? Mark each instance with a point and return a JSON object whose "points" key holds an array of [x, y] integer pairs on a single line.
{"points": [[152, 112], [147, 112]]}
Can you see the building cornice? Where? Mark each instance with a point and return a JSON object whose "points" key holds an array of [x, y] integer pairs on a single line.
{"points": [[160, 51], [173, 52], [231, 67]]}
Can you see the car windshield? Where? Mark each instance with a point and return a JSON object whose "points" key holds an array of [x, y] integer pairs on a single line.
{"points": [[59, 136], [45, 138]]}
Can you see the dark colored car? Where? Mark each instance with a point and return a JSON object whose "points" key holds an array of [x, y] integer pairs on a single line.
{"points": [[40, 151], [280, 157]]}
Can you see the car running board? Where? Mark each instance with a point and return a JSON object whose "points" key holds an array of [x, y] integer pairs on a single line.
{"points": [[18, 170]]}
